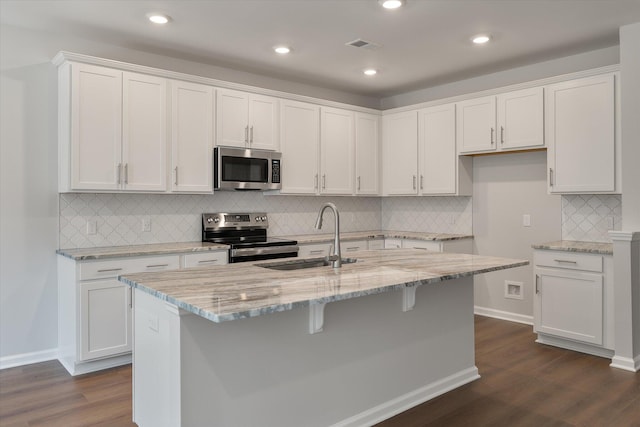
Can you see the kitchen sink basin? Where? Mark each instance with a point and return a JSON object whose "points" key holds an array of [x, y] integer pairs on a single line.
{"points": [[299, 264]]}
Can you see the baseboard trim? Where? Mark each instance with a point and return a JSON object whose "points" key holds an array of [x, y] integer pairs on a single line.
{"points": [[503, 315], [28, 358], [400, 404], [573, 345], [81, 368], [626, 363]]}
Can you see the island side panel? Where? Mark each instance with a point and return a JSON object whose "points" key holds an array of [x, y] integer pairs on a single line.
{"points": [[371, 361]]}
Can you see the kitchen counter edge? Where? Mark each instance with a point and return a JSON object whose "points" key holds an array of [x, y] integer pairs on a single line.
{"points": [[577, 246]]}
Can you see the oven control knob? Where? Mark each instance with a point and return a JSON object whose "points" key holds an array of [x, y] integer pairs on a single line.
{"points": [[258, 219], [209, 220], [264, 218], [216, 220]]}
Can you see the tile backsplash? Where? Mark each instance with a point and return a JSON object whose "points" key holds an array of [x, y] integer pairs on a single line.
{"points": [[176, 218], [584, 216]]}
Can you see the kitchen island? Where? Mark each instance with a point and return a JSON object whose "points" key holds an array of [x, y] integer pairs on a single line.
{"points": [[245, 345]]}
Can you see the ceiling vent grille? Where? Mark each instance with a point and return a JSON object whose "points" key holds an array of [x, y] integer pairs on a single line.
{"points": [[363, 44]]}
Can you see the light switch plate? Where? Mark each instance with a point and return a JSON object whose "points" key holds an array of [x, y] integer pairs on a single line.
{"points": [[92, 227], [526, 220]]}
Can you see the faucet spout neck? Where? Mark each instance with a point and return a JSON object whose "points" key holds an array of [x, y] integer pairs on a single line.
{"points": [[336, 257]]}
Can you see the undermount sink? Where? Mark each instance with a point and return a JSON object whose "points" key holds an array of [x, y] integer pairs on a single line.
{"points": [[299, 264]]}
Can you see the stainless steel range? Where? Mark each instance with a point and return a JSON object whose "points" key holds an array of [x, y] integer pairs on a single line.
{"points": [[246, 234]]}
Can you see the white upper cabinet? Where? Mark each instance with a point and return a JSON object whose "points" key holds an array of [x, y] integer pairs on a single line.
{"points": [[191, 137], [477, 125], [581, 132], [520, 119], [246, 120], [508, 121], [144, 132], [113, 130], [367, 154], [299, 142], [90, 127], [336, 151], [399, 153], [442, 171]]}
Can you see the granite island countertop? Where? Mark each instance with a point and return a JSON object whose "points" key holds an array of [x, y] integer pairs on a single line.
{"points": [[576, 246], [235, 291], [376, 234], [106, 252]]}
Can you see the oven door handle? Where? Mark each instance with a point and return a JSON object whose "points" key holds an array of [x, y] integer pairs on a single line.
{"points": [[264, 251]]}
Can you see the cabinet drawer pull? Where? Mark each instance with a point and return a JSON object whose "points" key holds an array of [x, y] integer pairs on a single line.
{"points": [[316, 251], [175, 182], [501, 135], [537, 288], [204, 261], [246, 134], [119, 173], [492, 136], [107, 270], [414, 182], [353, 248], [418, 247], [566, 261], [157, 265], [550, 177]]}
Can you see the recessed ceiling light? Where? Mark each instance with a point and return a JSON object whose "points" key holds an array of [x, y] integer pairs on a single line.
{"points": [[391, 4], [157, 18], [480, 39], [370, 72], [282, 50]]}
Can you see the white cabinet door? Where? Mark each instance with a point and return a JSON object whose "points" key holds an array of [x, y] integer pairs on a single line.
{"points": [[191, 137], [232, 126], [520, 119], [367, 154], [400, 151], [263, 123], [336, 151], [299, 142], [144, 132], [105, 318], [96, 128], [580, 132], [475, 123], [438, 156], [569, 304]]}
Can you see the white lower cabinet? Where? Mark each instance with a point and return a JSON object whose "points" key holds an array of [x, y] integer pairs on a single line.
{"points": [[94, 307], [573, 304]]}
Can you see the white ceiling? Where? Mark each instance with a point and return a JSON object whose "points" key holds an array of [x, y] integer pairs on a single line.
{"points": [[422, 44]]}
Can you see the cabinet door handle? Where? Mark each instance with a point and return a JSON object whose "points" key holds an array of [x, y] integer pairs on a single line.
{"points": [[119, 173], [422, 182], [414, 182], [358, 183], [175, 181], [537, 288], [324, 181], [130, 297], [551, 177], [107, 270], [205, 261], [566, 261], [157, 265], [251, 136], [492, 136], [501, 135], [315, 182], [126, 173]]}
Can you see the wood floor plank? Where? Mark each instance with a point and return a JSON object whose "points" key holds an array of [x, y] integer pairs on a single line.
{"points": [[522, 384]]}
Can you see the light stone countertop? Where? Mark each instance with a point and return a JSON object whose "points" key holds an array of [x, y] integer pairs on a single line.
{"points": [[576, 246], [139, 250], [106, 252], [235, 291], [376, 234]]}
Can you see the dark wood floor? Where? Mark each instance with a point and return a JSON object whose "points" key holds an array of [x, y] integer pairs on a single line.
{"points": [[522, 384]]}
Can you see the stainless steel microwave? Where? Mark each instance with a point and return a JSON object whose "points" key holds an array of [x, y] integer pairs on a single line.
{"points": [[245, 169]]}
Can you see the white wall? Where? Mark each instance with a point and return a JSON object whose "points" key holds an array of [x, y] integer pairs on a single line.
{"points": [[505, 187]]}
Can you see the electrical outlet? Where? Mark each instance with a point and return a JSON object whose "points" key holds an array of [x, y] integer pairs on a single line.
{"points": [[513, 290], [452, 219], [526, 220], [609, 220], [92, 227], [146, 224]]}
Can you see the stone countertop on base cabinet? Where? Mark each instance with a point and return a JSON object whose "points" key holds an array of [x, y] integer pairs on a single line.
{"points": [[576, 246], [106, 252]]}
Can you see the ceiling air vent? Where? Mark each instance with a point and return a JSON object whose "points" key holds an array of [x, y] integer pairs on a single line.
{"points": [[363, 44]]}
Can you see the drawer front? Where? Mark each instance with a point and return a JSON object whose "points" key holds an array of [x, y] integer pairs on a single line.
{"points": [[353, 246], [422, 244], [392, 243], [114, 267], [205, 259], [568, 260], [376, 244], [314, 250]]}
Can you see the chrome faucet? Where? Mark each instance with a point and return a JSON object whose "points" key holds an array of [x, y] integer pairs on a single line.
{"points": [[335, 258]]}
